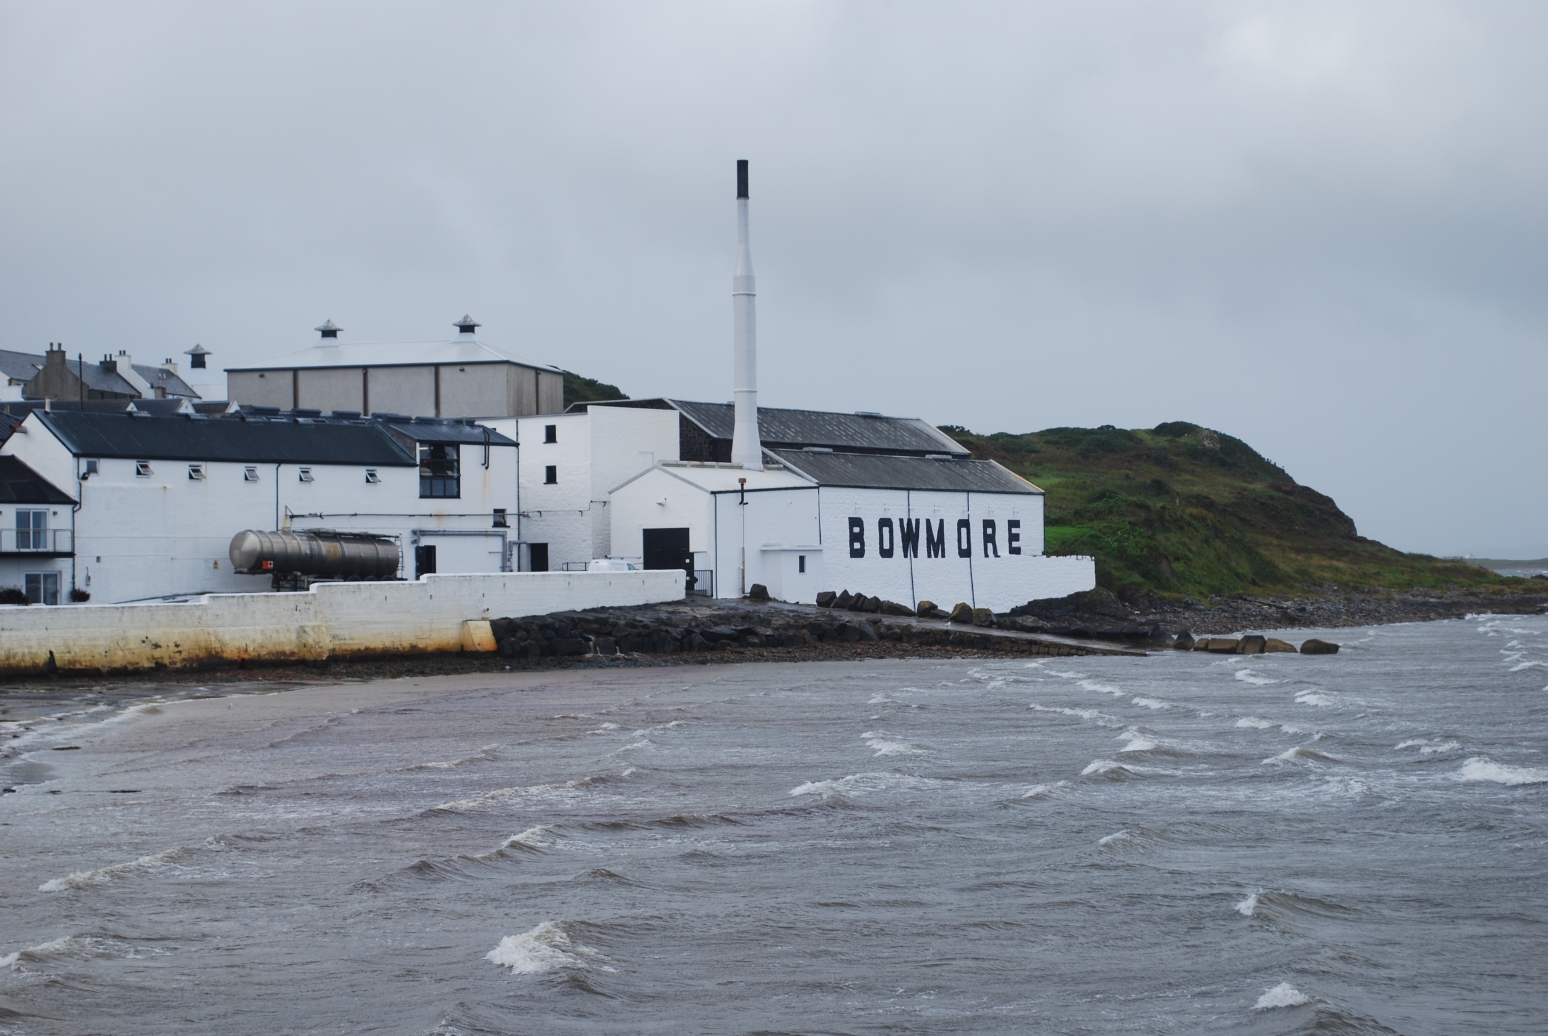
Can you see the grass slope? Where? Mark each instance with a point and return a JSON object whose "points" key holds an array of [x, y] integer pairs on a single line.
{"points": [[588, 390], [1183, 511]]}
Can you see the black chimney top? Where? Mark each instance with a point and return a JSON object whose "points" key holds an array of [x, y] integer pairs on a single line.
{"points": [[196, 356], [328, 329], [467, 325], [741, 178]]}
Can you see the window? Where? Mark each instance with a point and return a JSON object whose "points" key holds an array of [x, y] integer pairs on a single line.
{"points": [[42, 587], [250, 473], [372, 478], [142, 469], [196, 472], [304, 475], [550, 433], [500, 520], [800, 562], [31, 529], [438, 473], [92, 467], [551, 475]]}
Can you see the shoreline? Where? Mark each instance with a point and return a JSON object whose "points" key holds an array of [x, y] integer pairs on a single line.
{"points": [[885, 637]]}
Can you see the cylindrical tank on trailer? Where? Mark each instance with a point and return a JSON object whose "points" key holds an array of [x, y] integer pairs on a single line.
{"points": [[320, 554]]}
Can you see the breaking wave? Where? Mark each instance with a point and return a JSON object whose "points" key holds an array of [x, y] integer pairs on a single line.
{"points": [[1104, 688], [1282, 995], [545, 948], [880, 744], [1313, 698], [1248, 906], [858, 784], [1254, 723], [1480, 768], [1249, 676], [494, 798], [1152, 703], [105, 875], [1301, 754]]}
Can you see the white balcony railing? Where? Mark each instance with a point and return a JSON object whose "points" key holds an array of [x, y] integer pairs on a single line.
{"points": [[36, 541]]}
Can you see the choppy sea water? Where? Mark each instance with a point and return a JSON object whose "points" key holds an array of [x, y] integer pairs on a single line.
{"points": [[1179, 843]]}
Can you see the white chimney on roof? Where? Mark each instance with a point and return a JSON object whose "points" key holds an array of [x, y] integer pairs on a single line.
{"points": [[746, 447]]}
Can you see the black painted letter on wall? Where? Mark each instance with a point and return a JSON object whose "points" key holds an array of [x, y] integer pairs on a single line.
{"points": [[964, 538], [989, 539], [1013, 535], [857, 537], [935, 539], [884, 540]]}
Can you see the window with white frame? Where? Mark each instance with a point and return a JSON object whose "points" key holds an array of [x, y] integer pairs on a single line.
{"points": [[250, 473], [142, 469], [304, 475], [372, 478], [439, 475], [196, 472]]}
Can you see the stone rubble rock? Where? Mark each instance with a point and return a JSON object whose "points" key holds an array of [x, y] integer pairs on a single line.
{"points": [[1251, 645], [826, 598], [962, 613], [894, 608], [1217, 645], [1275, 645], [757, 592], [983, 617], [1314, 646]]}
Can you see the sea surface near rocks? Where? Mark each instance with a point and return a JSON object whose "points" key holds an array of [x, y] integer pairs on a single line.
{"points": [[1179, 843]]}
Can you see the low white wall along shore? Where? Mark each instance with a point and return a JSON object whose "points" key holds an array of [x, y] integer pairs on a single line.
{"points": [[434, 613]]}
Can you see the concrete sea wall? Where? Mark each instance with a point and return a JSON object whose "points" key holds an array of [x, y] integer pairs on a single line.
{"points": [[434, 613]]}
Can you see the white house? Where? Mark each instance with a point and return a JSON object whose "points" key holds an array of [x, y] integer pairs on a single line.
{"points": [[901, 528], [154, 501], [569, 462]]}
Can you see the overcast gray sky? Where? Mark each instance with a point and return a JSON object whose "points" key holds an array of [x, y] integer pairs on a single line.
{"points": [[1316, 226]]}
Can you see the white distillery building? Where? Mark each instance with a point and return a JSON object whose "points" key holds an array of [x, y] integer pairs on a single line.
{"points": [[132, 506], [905, 529], [463, 376]]}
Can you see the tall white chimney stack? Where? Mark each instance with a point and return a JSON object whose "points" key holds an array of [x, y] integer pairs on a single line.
{"points": [[746, 448]]}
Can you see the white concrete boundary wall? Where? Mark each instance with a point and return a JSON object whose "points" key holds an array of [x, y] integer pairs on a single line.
{"points": [[434, 613]]}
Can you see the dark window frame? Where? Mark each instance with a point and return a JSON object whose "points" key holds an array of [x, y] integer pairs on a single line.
{"points": [[440, 471], [551, 475]]}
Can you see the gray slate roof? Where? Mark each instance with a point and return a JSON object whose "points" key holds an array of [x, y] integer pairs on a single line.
{"points": [[19, 484], [24, 366], [870, 471], [256, 439], [780, 428]]}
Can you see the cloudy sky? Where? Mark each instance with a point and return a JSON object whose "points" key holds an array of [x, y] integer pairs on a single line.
{"points": [[1317, 226]]}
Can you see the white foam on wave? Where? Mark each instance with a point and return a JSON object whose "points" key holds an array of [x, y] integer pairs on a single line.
{"points": [[1038, 790], [1091, 714], [857, 784], [1249, 676], [1314, 698], [1137, 742], [881, 699], [1282, 995], [881, 745], [1526, 665], [1067, 674], [10, 959], [531, 838], [1103, 688], [104, 875], [544, 948], [1248, 906], [1152, 703], [1101, 766], [1116, 836], [1254, 723], [499, 795], [1430, 746], [1480, 768]]}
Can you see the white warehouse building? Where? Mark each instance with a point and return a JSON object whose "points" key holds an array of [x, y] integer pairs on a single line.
{"points": [[154, 502]]}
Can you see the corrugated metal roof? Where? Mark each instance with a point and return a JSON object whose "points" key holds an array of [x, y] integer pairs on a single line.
{"points": [[19, 484], [781, 428], [254, 441], [870, 471], [459, 350]]}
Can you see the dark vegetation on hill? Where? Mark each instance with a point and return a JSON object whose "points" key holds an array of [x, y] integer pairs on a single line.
{"points": [[1180, 511], [588, 390]]}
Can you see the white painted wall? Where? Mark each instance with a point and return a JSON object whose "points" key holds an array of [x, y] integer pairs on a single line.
{"points": [[596, 451], [330, 619], [138, 537], [776, 527]]}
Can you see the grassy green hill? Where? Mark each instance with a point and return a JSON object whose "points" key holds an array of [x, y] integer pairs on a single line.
{"points": [[588, 390], [1183, 511]]}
